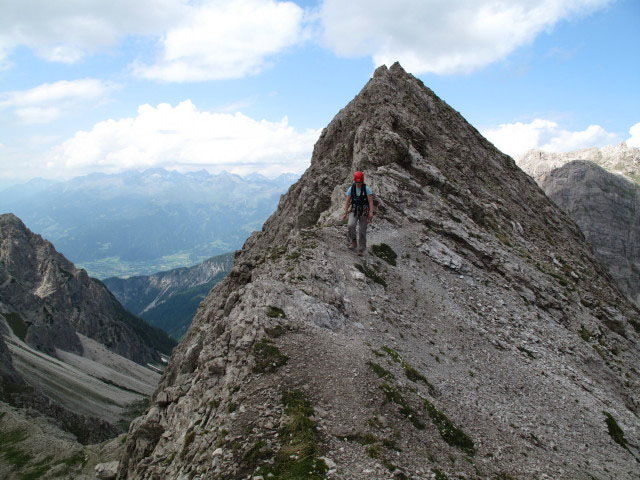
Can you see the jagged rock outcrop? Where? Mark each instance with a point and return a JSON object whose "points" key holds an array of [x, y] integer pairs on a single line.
{"points": [[169, 299], [481, 339], [620, 159], [606, 207], [48, 300]]}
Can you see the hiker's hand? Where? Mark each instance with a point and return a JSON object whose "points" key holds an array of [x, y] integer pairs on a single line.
{"points": [[345, 215], [369, 217]]}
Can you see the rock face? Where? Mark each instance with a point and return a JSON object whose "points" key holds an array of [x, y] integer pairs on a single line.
{"points": [[169, 299], [47, 300], [620, 159], [8, 374], [478, 338], [606, 207]]}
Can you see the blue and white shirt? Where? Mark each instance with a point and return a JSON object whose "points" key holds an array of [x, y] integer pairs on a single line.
{"points": [[369, 192]]}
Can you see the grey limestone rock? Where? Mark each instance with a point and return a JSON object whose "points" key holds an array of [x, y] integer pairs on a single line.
{"points": [[620, 159], [499, 370], [606, 207], [52, 300]]}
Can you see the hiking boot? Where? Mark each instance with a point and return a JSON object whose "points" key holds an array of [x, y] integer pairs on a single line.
{"points": [[360, 253]]}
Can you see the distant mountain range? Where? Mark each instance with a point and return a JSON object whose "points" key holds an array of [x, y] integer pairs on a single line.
{"points": [[139, 223], [169, 300], [620, 159]]}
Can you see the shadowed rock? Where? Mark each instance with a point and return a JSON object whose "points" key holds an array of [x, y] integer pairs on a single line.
{"points": [[606, 207]]}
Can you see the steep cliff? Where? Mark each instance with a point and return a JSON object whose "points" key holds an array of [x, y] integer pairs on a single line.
{"points": [[478, 338], [169, 299], [606, 207], [47, 300]]}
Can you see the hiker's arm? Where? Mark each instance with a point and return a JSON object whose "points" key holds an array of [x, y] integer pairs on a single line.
{"points": [[347, 204], [370, 216]]}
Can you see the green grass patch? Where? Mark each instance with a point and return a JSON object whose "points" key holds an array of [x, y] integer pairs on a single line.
{"points": [[439, 475], [268, 357], [394, 396], [370, 274], [385, 252], [410, 372], [395, 356], [277, 252], [615, 431], [297, 459], [16, 457], [132, 410], [275, 312], [586, 334], [38, 469], [374, 451], [18, 326], [188, 440], [380, 371], [71, 463], [256, 454], [448, 431]]}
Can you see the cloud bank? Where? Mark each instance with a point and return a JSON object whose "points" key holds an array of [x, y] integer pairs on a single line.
{"points": [[517, 138], [68, 30], [223, 40], [441, 36], [49, 101], [634, 140], [201, 40], [184, 138]]}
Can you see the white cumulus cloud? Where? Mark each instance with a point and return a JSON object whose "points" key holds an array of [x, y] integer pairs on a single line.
{"points": [[184, 138], [634, 140], [67, 30], [517, 138], [225, 39], [195, 40], [47, 102], [441, 36]]}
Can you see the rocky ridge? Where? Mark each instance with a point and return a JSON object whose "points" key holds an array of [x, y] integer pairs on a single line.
{"points": [[47, 300], [620, 159], [481, 339], [606, 207], [169, 299]]}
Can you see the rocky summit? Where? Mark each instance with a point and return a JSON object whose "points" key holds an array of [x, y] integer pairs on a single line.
{"points": [[477, 338], [606, 207], [46, 301]]}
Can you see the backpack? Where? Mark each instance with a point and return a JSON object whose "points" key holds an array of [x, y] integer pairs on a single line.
{"points": [[359, 203]]}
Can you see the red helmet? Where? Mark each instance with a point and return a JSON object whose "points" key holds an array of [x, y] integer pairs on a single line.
{"points": [[358, 177]]}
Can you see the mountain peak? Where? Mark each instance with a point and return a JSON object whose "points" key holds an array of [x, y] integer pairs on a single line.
{"points": [[477, 307], [51, 300]]}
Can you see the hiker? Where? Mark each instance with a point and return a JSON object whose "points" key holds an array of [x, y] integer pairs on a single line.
{"points": [[359, 207]]}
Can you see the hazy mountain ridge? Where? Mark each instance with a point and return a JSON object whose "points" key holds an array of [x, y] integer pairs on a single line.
{"points": [[143, 222], [620, 159], [485, 341], [606, 207], [169, 299]]}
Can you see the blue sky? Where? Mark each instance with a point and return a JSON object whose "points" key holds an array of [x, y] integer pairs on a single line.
{"points": [[247, 85]]}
